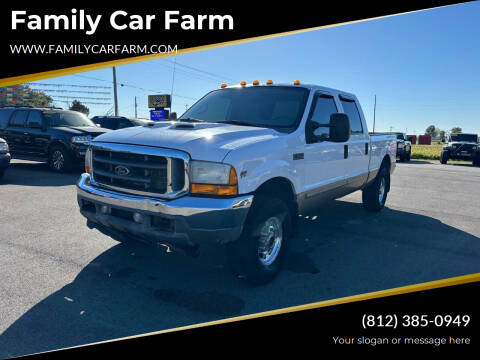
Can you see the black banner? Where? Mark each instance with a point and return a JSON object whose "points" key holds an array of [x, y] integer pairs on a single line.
{"points": [[437, 320], [42, 38]]}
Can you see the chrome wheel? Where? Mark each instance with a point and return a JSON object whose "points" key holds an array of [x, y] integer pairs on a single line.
{"points": [[381, 190], [271, 236], [58, 160]]}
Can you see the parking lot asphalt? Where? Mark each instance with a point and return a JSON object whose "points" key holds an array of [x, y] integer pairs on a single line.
{"points": [[62, 284]]}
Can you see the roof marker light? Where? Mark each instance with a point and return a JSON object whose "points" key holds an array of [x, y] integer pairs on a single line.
{"points": [[255, 82], [223, 85], [269, 82], [243, 83], [296, 82]]}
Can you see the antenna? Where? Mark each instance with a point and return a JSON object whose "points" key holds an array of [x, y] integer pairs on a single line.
{"points": [[374, 111]]}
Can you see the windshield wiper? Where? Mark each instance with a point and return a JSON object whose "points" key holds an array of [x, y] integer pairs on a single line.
{"points": [[234, 122], [189, 119]]}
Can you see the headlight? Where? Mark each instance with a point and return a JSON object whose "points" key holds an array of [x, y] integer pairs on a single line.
{"points": [[212, 178], [88, 160], [3, 147], [85, 140]]}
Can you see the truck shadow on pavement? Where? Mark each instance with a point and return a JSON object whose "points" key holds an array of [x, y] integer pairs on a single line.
{"points": [[415, 161], [37, 174], [338, 251]]}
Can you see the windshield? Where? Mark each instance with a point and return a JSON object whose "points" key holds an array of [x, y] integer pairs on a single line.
{"points": [[67, 118], [273, 107], [464, 137], [400, 137]]}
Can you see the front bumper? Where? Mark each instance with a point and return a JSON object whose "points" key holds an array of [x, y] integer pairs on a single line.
{"points": [[184, 222], [79, 151], [4, 160]]}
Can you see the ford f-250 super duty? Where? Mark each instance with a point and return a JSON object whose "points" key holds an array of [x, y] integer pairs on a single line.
{"points": [[237, 168]]}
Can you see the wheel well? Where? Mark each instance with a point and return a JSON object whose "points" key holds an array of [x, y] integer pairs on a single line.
{"points": [[55, 143], [280, 188], [386, 164]]}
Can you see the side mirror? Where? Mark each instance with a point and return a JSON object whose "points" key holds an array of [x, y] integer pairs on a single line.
{"points": [[173, 116], [339, 127]]}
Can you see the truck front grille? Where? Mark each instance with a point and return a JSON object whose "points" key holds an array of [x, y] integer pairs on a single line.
{"points": [[138, 172]]}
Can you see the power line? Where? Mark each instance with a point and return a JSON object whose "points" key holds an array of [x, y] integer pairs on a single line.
{"points": [[133, 86], [83, 102], [70, 85], [73, 91], [82, 97], [203, 71], [186, 73]]}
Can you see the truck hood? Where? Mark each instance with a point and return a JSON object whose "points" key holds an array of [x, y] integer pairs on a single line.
{"points": [[82, 130], [203, 141]]}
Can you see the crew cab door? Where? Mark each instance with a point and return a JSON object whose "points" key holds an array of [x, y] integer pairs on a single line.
{"points": [[36, 141], [15, 131], [357, 150], [324, 163]]}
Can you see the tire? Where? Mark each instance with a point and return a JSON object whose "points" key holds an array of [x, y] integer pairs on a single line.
{"points": [[374, 195], [476, 160], [444, 157], [59, 160], [401, 158], [409, 155], [260, 251], [2, 172]]}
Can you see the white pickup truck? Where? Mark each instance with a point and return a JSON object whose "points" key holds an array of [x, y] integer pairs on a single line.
{"points": [[237, 168]]}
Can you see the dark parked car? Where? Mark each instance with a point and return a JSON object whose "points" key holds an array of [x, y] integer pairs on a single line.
{"points": [[404, 147], [461, 147], [59, 137], [119, 122], [4, 157]]}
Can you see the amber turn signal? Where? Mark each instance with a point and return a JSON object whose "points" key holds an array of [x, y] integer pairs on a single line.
{"points": [[210, 189], [87, 169], [214, 189]]}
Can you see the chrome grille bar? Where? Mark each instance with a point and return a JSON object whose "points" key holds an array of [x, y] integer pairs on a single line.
{"points": [[141, 170]]}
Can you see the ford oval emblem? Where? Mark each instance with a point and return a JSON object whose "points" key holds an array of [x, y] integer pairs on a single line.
{"points": [[122, 170]]}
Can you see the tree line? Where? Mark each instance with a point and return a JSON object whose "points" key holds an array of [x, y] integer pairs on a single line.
{"points": [[435, 132]]}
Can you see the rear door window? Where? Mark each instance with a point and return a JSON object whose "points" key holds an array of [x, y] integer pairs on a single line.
{"points": [[123, 123], [350, 108], [18, 118], [98, 120], [34, 120]]}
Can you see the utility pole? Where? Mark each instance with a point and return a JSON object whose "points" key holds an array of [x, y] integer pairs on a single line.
{"points": [[374, 111], [135, 107], [115, 99], [173, 82]]}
